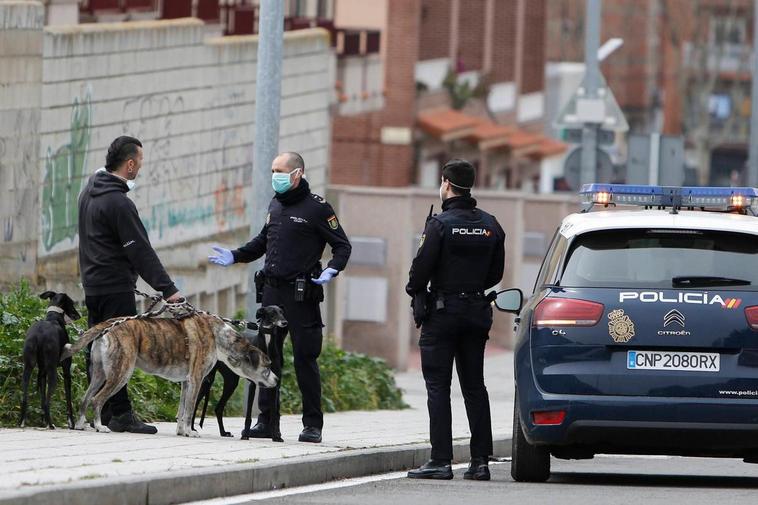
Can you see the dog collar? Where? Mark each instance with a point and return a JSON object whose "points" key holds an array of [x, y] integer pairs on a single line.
{"points": [[53, 308]]}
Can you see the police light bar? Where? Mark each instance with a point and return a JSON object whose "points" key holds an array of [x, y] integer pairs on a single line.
{"points": [[716, 198]]}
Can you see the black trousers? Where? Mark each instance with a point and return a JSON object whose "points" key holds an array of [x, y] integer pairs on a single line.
{"points": [[457, 333], [101, 308], [304, 325]]}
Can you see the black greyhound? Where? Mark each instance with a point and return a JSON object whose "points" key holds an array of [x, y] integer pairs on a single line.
{"points": [[271, 322], [42, 348]]}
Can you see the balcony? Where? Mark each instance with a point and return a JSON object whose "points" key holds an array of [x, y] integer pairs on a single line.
{"points": [[360, 71]]}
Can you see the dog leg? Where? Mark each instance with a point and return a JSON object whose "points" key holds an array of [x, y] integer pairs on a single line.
{"points": [[67, 388], [190, 398], [230, 384], [52, 381], [97, 379], [249, 410], [28, 368], [111, 386], [204, 396], [41, 383], [180, 411]]}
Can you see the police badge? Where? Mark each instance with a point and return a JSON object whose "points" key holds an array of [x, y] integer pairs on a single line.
{"points": [[620, 327], [333, 223]]}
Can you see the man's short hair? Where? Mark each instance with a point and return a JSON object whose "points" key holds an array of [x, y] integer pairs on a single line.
{"points": [[461, 175], [122, 149], [294, 160]]}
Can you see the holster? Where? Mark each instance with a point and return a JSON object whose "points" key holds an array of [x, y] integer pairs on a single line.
{"points": [[260, 280], [420, 306]]}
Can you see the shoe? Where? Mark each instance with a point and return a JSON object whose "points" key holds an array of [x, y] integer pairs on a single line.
{"points": [[310, 434], [260, 430], [433, 469], [129, 422], [478, 469]]}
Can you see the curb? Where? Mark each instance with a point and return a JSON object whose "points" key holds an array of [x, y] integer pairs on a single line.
{"points": [[231, 480]]}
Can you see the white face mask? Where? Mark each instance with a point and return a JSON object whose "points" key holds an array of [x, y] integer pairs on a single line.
{"points": [[130, 184]]}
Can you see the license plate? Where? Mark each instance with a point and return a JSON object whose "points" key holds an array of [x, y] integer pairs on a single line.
{"points": [[671, 360]]}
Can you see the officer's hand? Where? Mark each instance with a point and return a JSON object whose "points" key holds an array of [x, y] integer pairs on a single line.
{"points": [[326, 276], [223, 258]]}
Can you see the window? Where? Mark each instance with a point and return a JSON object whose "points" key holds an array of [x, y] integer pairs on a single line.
{"points": [[548, 270], [652, 258], [728, 30]]}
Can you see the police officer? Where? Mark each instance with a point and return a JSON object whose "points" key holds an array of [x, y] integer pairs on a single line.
{"points": [[298, 227], [461, 254]]}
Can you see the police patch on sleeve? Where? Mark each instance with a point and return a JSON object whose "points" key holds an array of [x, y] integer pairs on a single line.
{"points": [[333, 223]]}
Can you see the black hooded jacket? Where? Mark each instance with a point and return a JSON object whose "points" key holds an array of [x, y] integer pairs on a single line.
{"points": [[113, 243]]}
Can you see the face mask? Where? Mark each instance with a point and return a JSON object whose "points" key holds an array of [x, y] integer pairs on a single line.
{"points": [[442, 194], [130, 184], [282, 182]]}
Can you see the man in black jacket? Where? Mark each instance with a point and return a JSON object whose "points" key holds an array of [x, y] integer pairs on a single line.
{"points": [[113, 249], [298, 227], [461, 254]]}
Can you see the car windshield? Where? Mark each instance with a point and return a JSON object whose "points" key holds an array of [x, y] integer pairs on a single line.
{"points": [[666, 259]]}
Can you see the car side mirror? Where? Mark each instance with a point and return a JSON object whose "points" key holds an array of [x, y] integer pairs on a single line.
{"points": [[509, 300]]}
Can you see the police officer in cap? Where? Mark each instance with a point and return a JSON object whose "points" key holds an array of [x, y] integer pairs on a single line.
{"points": [[461, 254], [298, 227]]}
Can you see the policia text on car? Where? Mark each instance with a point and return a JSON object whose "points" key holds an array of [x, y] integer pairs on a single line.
{"points": [[298, 227], [461, 254]]}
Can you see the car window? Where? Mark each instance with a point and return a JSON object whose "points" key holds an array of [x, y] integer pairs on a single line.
{"points": [[652, 258], [550, 263]]}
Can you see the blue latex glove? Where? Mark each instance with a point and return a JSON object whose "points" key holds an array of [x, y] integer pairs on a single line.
{"points": [[325, 277], [224, 257]]}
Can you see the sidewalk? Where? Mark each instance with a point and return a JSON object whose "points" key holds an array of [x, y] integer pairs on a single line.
{"points": [[67, 467]]}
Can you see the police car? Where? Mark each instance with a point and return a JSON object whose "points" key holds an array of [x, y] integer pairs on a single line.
{"points": [[641, 335]]}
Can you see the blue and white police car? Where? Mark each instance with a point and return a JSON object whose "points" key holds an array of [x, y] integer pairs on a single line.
{"points": [[641, 335]]}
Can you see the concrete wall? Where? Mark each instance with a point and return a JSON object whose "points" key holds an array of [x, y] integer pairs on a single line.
{"points": [[20, 100], [395, 217], [191, 102]]}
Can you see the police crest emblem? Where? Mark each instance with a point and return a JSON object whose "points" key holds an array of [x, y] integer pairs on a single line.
{"points": [[620, 326], [333, 223]]}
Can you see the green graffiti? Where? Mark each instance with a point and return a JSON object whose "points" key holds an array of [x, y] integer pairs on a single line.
{"points": [[163, 217], [63, 178]]}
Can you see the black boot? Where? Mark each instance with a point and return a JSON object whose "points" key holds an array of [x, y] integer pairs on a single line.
{"points": [[129, 422], [260, 430], [310, 434], [433, 469], [478, 469]]}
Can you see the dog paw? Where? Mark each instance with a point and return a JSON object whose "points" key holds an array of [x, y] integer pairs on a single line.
{"points": [[51, 426], [102, 429], [226, 434]]}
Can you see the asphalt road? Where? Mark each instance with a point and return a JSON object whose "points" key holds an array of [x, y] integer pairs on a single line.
{"points": [[606, 479]]}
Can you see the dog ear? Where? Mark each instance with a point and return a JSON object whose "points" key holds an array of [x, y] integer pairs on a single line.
{"points": [[47, 295], [260, 313]]}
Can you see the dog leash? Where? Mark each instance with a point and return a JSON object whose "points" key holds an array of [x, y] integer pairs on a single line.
{"points": [[183, 309]]}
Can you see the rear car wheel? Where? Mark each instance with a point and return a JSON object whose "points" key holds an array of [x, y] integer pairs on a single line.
{"points": [[529, 463]]}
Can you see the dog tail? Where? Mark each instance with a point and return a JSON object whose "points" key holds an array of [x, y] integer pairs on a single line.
{"points": [[87, 337]]}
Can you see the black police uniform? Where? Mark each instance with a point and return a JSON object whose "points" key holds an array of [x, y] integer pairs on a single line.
{"points": [[462, 254], [298, 227]]}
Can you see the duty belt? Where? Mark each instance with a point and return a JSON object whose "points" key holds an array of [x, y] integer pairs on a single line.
{"points": [[277, 282], [463, 294]]}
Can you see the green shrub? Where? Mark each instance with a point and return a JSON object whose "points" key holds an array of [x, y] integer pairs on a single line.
{"points": [[349, 381]]}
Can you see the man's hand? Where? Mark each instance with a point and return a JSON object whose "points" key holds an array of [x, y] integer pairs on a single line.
{"points": [[325, 277], [175, 298], [224, 257]]}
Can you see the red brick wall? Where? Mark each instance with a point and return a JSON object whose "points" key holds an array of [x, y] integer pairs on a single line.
{"points": [[533, 59], [358, 156], [471, 33], [434, 39], [504, 41]]}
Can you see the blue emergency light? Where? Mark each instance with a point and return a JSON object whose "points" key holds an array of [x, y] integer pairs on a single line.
{"points": [[675, 197]]}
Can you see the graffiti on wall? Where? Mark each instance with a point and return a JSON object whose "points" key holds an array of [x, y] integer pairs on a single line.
{"points": [[63, 178]]}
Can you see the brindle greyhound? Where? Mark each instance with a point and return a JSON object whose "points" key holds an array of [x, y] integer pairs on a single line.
{"points": [[270, 320], [180, 350]]}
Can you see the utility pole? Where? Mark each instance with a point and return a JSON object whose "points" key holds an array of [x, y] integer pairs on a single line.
{"points": [[591, 84], [268, 92], [752, 175]]}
